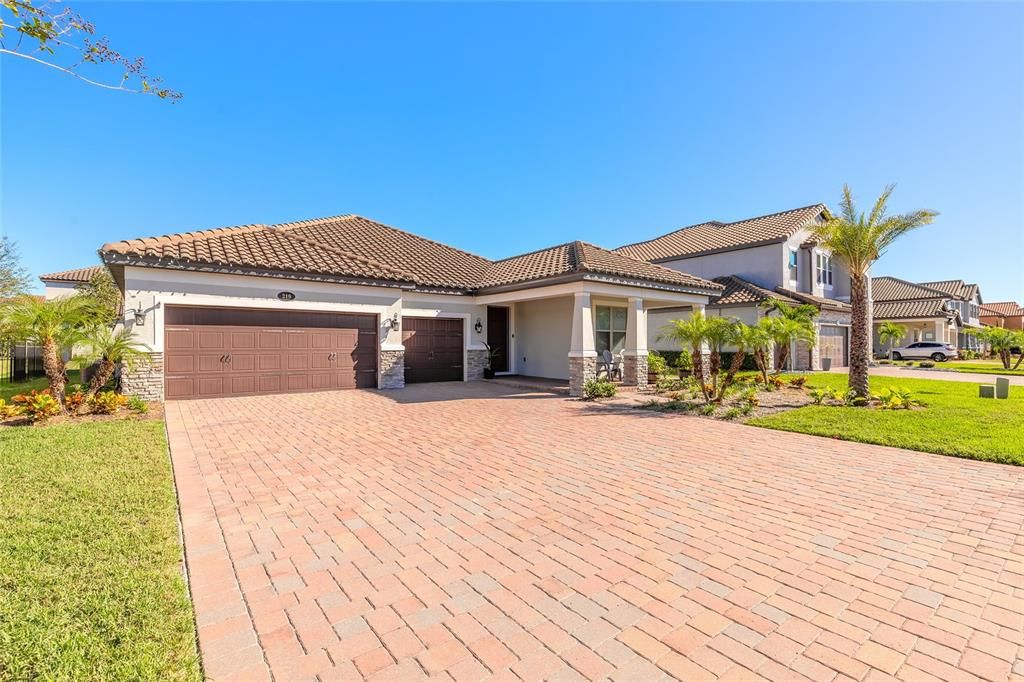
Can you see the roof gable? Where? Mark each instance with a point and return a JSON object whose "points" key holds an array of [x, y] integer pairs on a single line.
{"points": [[1003, 308], [739, 291], [955, 288], [717, 236], [78, 275]]}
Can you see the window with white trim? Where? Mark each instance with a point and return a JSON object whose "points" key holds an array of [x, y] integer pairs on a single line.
{"points": [[794, 271], [609, 328], [823, 269]]}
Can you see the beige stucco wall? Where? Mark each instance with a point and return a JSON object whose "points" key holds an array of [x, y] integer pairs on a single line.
{"points": [[543, 330], [762, 265], [54, 290]]}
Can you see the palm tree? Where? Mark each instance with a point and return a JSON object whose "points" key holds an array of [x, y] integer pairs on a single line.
{"points": [[891, 334], [858, 240], [720, 332], [1001, 341], [802, 311], [55, 325], [743, 338], [108, 348], [691, 334], [786, 331], [757, 340]]}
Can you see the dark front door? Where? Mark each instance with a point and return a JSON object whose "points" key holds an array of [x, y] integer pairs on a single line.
{"points": [[433, 349], [497, 337], [219, 352]]}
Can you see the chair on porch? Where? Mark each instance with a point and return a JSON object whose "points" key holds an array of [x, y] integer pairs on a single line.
{"points": [[611, 365]]}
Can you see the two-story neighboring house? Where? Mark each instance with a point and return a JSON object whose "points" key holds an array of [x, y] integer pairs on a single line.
{"points": [[770, 256], [943, 311], [1008, 314]]}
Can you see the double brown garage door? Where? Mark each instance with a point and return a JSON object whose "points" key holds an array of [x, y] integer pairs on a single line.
{"points": [[217, 352]]}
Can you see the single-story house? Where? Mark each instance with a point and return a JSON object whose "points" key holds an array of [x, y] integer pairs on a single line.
{"points": [[348, 302]]}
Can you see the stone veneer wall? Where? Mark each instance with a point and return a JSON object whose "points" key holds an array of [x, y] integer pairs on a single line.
{"points": [[476, 362], [581, 370], [145, 378], [392, 369], [634, 371]]}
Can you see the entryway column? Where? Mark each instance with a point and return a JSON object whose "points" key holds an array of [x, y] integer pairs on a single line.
{"points": [[940, 331], [392, 352], [582, 356], [634, 364]]}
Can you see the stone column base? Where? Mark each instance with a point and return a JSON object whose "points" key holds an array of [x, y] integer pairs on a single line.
{"points": [[145, 377], [581, 370], [476, 362], [634, 371], [392, 369]]}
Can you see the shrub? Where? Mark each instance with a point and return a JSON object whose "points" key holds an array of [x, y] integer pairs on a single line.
{"points": [[749, 363], [708, 409], [749, 397], [137, 404], [37, 405], [598, 388], [819, 395], [926, 364], [656, 363], [9, 409], [74, 397], [775, 381], [896, 398], [108, 402], [746, 408], [731, 413], [798, 382], [885, 362]]}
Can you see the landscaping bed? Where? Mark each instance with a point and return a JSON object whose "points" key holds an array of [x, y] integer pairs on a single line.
{"points": [[91, 583]]}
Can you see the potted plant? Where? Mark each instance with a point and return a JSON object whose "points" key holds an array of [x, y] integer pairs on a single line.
{"points": [[492, 355], [656, 366]]}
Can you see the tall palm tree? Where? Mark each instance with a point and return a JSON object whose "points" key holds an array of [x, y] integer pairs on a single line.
{"points": [[54, 325], [786, 331], [891, 334], [858, 240], [108, 348]]}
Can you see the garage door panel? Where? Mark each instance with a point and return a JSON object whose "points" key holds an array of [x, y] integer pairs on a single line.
{"points": [[433, 349], [243, 352]]}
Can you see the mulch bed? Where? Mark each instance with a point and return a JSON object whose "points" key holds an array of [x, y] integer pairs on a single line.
{"points": [[155, 412]]}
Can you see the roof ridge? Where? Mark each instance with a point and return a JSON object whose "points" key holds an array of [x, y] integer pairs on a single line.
{"points": [[351, 216], [530, 253], [941, 294], [57, 275]]}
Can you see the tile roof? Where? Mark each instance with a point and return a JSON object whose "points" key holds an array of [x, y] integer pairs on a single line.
{"points": [[956, 288], [896, 289], [76, 275], [580, 257], [820, 301], [1003, 308], [716, 236], [739, 291], [351, 246], [921, 308], [255, 247]]}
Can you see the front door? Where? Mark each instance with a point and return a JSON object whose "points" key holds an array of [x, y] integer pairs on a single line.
{"points": [[497, 337]]}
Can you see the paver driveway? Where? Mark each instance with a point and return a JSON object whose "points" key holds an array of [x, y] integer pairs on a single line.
{"points": [[467, 531]]}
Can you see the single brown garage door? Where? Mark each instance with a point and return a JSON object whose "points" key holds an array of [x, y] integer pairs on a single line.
{"points": [[433, 349], [832, 340], [218, 352]]}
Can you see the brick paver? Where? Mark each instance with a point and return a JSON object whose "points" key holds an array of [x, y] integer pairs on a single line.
{"points": [[469, 531]]}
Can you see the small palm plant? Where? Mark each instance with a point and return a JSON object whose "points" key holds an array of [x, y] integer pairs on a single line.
{"points": [[757, 340], [859, 239], [803, 311], [786, 331], [1001, 342], [108, 348], [891, 334], [55, 325], [691, 334]]}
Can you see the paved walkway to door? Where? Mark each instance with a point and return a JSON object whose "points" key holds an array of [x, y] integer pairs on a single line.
{"points": [[469, 531]]}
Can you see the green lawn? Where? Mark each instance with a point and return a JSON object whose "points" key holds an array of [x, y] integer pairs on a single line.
{"points": [[90, 574], [956, 422], [982, 367]]}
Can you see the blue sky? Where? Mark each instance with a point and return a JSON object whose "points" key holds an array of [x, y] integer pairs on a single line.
{"points": [[501, 128]]}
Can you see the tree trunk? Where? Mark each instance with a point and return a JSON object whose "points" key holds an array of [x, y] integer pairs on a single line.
{"points": [[1019, 358], [53, 365], [698, 372], [858, 336], [761, 357], [716, 368], [99, 379], [783, 358], [734, 367]]}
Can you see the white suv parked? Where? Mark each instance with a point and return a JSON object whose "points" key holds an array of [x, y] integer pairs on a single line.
{"points": [[925, 350]]}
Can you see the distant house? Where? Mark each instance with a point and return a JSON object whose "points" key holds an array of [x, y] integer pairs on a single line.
{"points": [[1008, 314], [944, 311], [66, 282], [770, 256]]}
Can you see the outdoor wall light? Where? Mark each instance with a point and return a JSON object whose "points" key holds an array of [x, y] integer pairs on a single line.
{"points": [[479, 327], [392, 323], [139, 316]]}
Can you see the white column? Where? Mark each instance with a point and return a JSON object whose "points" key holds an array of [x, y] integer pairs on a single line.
{"points": [[940, 330], [636, 327], [582, 343]]}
